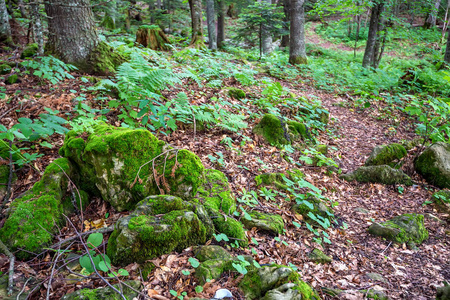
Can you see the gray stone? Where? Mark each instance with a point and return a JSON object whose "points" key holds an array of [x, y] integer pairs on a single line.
{"points": [[284, 292], [378, 174], [318, 256], [270, 223], [386, 154], [401, 229]]}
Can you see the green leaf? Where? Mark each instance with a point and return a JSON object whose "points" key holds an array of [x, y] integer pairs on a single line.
{"points": [[85, 263], [123, 272], [194, 262], [94, 240], [198, 289], [104, 266], [185, 272]]}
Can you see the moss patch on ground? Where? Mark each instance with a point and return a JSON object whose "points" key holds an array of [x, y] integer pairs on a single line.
{"points": [[279, 132], [386, 154]]}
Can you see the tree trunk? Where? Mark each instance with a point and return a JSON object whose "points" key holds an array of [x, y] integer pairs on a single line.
{"points": [[447, 50], [287, 16], [430, 21], [5, 29], [297, 48], [221, 23], [266, 37], [37, 27], [152, 37], [375, 17], [196, 21], [73, 37], [212, 37]]}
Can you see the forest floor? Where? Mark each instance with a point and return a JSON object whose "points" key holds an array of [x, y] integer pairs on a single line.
{"points": [[352, 132]]}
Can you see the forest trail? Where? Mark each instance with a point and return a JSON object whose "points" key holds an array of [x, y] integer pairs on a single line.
{"points": [[311, 37]]}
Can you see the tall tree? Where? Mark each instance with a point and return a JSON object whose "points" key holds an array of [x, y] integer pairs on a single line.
{"points": [[5, 29], [430, 21], [73, 38], [297, 45], [212, 37], [37, 26], [266, 35], [447, 50], [287, 15], [196, 21], [374, 31], [221, 23]]}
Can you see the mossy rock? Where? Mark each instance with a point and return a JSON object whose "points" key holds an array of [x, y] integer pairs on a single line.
{"points": [[30, 50], [443, 293], [159, 225], [276, 179], [5, 69], [386, 154], [130, 290], [236, 93], [215, 192], [318, 208], [319, 257], [204, 253], [401, 229], [34, 217], [110, 158], [278, 132], [410, 144], [12, 79], [434, 164], [258, 282], [270, 223], [378, 174], [442, 200], [232, 228], [213, 269]]}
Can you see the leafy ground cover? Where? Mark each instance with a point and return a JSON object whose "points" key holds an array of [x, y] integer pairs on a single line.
{"points": [[188, 95]]}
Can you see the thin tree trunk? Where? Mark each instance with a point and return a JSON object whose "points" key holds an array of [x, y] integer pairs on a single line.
{"points": [[297, 48], [444, 29], [221, 23], [379, 39], [266, 37], [287, 16], [358, 28], [430, 21], [196, 21], [375, 16], [37, 27], [447, 50], [5, 29], [212, 37], [23, 12]]}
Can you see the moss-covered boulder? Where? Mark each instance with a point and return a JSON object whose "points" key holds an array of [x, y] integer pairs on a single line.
{"points": [[34, 217], [30, 50], [207, 252], [313, 205], [434, 164], [130, 289], [270, 223], [319, 257], [386, 154], [215, 192], [236, 93], [232, 228], [401, 229], [278, 131], [442, 201], [258, 282], [443, 293], [5, 69], [213, 269], [159, 225], [125, 165], [378, 174], [276, 179]]}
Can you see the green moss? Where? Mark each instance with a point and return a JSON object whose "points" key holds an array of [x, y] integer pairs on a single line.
{"points": [[4, 174], [431, 167], [146, 269], [402, 229], [70, 205], [236, 93], [30, 50], [318, 256], [270, 223], [442, 197], [5, 69], [231, 227], [275, 133], [108, 22], [383, 155], [378, 174], [204, 253], [212, 269], [215, 193]]}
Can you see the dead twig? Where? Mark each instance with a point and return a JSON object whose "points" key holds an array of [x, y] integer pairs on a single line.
{"points": [[12, 259]]}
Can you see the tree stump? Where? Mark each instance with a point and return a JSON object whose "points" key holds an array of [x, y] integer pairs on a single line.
{"points": [[151, 36]]}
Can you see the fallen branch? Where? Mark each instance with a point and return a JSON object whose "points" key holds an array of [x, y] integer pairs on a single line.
{"points": [[100, 230], [12, 259]]}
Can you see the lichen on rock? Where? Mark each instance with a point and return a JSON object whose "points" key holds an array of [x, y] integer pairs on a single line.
{"points": [[434, 164], [401, 229], [278, 132], [270, 223], [378, 174], [386, 154]]}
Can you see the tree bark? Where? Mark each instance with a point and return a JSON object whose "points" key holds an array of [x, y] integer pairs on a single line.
{"points": [[266, 37], [73, 38], [196, 21], [37, 27], [375, 18], [430, 21], [212, 37], [297, 48], [5, 29], [447, 50], [287, 16], [221, 23]]}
